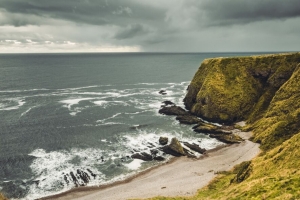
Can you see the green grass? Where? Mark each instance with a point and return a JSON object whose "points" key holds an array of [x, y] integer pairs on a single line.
{"points": [[265, 91]]}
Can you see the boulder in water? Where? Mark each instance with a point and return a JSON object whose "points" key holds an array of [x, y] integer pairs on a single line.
{"points": [[163, 140], [173, 110], [142, 156]]}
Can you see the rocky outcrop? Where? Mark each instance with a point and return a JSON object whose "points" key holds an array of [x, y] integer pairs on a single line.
{"points": [[142, 156], [167, 103], [195, 147], [162, 92], [230, 89], [176, 146], [207, 128], [173, 110], [228, 139], [163, 140], [188, 119]]}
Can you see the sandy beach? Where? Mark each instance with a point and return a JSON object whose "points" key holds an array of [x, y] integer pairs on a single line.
{"points": [[182, 177]]}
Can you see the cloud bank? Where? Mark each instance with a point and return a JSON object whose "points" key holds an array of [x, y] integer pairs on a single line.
{"points": [[154, 26]]}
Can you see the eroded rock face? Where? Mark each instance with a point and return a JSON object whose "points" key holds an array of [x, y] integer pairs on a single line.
{"points": [[231, 89]]}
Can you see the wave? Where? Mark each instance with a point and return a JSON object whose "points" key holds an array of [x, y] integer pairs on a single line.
{"points": [[11, 104], [54, 171], [18, 91]]}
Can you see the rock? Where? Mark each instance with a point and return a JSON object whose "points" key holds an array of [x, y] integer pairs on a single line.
{"points": [[176, 146], [154, 152], [167, 150], [151, 145], [173, 110], [188, 153], [163, 140], [194, 147], [94, 175], [75, 181], [142, 156], [83, 176], [162, 92], [159, 158], [167, 103], [188, 119], [209, 128], [228, 139]]}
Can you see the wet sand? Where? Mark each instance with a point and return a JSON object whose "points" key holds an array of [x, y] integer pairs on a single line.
{"points": [[180, 177]]}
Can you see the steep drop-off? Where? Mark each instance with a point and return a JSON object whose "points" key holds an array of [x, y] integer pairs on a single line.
{"points": [[233, 89], [264, 91]]}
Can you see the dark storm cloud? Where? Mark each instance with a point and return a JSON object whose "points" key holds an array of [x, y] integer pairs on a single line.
{"points": [[130, 31], [95, 12], [228, 12], [156, 25]]}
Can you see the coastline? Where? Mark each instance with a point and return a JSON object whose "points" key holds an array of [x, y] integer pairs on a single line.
{"points": [[178, 177]]}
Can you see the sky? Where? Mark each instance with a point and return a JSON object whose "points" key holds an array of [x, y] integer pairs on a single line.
{"points": [[29, 26]]}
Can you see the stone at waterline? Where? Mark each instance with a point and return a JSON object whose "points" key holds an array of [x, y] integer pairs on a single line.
{"points": [[94, 175], [83, 176], [163, 140], [173, 110], [207, 128], [188, 119], [176, 146], [228, 139], [195, 147], [162, 92], [153, 152], [75, 181], [167, 103], [188, 153], [167, 150], [159, 158], [142, 156]]}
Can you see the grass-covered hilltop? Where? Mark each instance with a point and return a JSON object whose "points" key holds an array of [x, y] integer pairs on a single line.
{"points": [[265, 92]]}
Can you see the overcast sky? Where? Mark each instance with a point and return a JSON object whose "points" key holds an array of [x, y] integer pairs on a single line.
{"points": [[149, 25]]}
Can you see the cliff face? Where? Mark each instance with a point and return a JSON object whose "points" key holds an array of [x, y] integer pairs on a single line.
{"points": [[233, 89], [265, 91]]}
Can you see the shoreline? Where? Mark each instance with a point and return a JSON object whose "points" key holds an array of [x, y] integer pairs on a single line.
{"points": [[180, 176]]}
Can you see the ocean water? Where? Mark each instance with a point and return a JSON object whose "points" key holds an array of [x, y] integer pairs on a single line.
{"points": [[86, 114]]}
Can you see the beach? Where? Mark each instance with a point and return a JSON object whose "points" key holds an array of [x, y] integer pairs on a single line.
{"points": [[181, 177]]}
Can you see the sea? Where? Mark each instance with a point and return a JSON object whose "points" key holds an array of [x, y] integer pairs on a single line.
{"points": [[85, 114]]}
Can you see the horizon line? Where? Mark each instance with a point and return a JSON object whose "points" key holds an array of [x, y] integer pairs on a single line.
{"points": [[145, 52]]}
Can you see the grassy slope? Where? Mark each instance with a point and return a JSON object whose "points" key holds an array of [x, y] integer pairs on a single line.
{"points": [[275, 122], [274, 175], [230, 89]]}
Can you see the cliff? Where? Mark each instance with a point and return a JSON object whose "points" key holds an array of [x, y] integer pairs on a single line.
{"points": [[264, 91], [234, 89]]}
